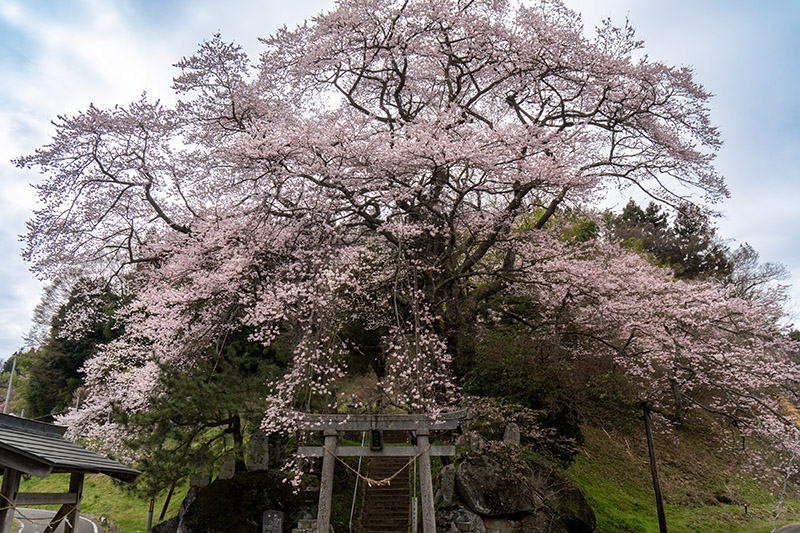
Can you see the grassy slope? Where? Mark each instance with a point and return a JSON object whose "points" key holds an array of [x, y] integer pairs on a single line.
{"points": [[705, 489], [103, 496], [612, 467]]}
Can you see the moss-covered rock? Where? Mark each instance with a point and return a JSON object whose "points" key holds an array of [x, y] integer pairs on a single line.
{"points": [[533, 494], [238, 504]]}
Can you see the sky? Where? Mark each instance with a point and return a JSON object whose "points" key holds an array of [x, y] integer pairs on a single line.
{"points": [[59, 56]]}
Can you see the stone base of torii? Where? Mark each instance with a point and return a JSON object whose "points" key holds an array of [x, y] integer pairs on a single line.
{"points": [[421, 425]]}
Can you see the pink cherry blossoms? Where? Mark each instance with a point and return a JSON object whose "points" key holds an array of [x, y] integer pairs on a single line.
{"points": [[401, 166]]}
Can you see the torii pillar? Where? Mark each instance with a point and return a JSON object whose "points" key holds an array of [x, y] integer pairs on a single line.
{"points": [[422, 425]]}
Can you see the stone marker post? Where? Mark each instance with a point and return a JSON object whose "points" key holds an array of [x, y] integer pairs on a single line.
{"points": [[272, 522], [258, 451]]}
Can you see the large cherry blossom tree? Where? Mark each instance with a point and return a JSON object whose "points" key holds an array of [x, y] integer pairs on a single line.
{"points": [[381, 182]]}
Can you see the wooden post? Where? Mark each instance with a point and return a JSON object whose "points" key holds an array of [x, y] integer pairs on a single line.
{"points": [[426, 483], [651, 449], [62, 513], [76, 487], [166, 502], [9, 492], [326, 483]]}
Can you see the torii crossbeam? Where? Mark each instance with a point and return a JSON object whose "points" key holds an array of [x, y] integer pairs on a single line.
{"points": [[422, 425]]}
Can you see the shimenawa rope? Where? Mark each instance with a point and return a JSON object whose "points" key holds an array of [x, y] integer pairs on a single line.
{"points": [[378, 482]]}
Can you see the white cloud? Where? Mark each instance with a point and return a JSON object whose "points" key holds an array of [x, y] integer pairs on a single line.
{"points": [[63, 56], [109, 51]]}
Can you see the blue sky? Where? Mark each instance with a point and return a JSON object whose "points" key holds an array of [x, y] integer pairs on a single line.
{"points": [[58, 56]]}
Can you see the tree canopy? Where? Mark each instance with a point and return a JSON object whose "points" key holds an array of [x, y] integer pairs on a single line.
{"points": [[388, 182]]}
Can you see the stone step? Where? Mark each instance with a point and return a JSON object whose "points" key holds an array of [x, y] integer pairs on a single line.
{"points": [[386, 510], [401, 499], [386, 507], [397, 480], [388, 502], [390, 469], [395, 517], [384, 472], [398, 492], [385, 524], [398, 520]]}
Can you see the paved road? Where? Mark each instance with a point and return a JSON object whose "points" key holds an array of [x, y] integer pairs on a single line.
{"points": [[39, 517], [795, 528]]}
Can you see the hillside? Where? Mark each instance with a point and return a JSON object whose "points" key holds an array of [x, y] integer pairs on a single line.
{"points": [[706, 489]]}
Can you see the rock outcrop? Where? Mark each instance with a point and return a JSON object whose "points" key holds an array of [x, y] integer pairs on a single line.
{"points": [[236, 505], [489, 489], [532, 498]]}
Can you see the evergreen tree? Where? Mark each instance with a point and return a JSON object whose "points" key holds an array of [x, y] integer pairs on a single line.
{"points": [[689, 246], [80, 325], [202, 413]]}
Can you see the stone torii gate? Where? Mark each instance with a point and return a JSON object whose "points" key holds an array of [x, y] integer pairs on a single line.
{"points": [[422, 425]]}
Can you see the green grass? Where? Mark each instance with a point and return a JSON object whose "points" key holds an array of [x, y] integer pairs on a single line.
{"points": [[613, 470], [111, 499], [612, 467]]}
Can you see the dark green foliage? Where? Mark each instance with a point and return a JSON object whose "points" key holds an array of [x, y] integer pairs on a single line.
{"points": [[237, 505], [204, 411], [689, 246], [651, 216], [612, 400], [515, 367], [18, 385], [576, 227], [365, 348], [55, 367], [8, 365], [585, 230], [697, 248]]}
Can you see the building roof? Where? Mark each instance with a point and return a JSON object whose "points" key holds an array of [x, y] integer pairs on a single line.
{"points": [[39, 449]]}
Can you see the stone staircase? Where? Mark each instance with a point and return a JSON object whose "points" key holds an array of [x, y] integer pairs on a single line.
{"points": [[386, 509]]}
